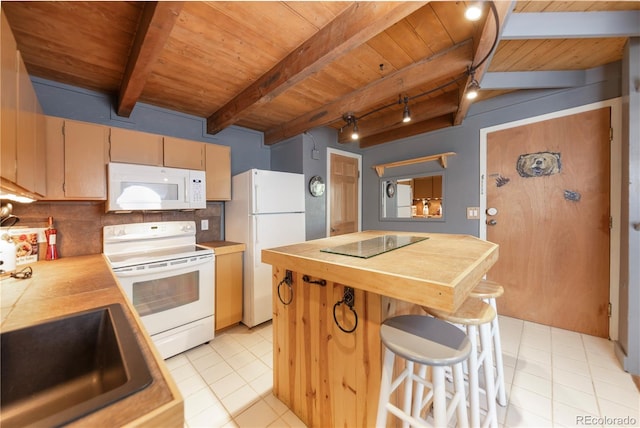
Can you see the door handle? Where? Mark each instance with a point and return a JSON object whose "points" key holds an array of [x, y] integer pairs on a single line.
{"points": [[491, 222]]}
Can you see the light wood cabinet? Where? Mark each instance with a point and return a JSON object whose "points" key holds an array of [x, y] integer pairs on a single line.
{"points": [[23, 157], [229, 282], [437, 186], [8, 100], [181, 153], [130, 146], [218, 169], [77, 154]]}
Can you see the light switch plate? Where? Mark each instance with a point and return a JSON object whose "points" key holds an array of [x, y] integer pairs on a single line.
{"points": [[473, 213], [204, 224]]}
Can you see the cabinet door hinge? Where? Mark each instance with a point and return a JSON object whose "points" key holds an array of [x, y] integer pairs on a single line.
{"points": [[609, 309], [610, 134], [610, 222]]}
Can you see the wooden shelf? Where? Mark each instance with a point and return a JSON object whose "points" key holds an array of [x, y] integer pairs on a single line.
{"points": [[442, 158]]}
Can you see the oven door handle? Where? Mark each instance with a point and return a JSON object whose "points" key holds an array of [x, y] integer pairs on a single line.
{"points": [[160, 267]]}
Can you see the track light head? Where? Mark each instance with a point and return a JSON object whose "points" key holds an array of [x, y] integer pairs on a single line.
{"points": [[406, 115], [351, 120], [472, 90], [474, 11]]}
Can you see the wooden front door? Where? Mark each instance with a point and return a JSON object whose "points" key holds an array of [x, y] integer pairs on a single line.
{"points": [[549, 182], [343, 191]]}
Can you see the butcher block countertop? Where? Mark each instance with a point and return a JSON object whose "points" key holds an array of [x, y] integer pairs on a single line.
{"points": [[75, 284], [438, 272], [224, 247]]}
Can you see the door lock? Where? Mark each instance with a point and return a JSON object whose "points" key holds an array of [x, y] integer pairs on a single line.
{"points": [[491, 222]]}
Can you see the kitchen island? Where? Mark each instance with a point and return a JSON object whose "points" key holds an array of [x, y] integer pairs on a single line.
{"points": [[328, 307], [74, 284]]}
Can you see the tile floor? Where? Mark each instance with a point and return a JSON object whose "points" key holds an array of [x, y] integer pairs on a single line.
{"points": [[554, 378]]}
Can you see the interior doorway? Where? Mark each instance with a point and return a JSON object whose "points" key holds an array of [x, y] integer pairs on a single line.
{"points": [[344, 184]]}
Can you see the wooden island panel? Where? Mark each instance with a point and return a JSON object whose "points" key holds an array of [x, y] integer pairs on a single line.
{"points": [[330, 378]]}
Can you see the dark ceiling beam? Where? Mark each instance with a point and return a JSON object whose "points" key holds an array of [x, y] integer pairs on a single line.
{"points": [[156, 23], [483, 49], [572, 25], [440, 122], [435, 68], [420, 111], [356, 25]]}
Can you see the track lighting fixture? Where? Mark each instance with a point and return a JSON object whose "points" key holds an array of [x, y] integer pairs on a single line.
{"points": [[351, 121], [406, 115], [474, 11]]}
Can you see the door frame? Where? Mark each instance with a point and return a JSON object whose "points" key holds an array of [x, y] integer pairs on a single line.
{"points": [[615, 189], [330, 151]]}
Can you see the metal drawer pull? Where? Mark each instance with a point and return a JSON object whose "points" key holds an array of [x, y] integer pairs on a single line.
{"points": [[349, 300], [320, 282], [288, 280]]}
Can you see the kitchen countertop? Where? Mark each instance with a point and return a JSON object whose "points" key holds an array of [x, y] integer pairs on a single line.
{"points": [[224, 247], [438, 272], [73, 284]]}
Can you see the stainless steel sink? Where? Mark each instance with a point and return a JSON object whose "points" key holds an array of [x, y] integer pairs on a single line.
{"points": [[66, 368]]}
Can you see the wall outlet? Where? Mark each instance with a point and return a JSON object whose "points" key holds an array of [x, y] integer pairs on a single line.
{"points": [[473, 213], [204, 224]]}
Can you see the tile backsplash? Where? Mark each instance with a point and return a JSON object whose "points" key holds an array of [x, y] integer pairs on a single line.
{"points": [[79, 224]]}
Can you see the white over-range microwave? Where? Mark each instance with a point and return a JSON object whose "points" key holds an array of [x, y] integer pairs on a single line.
{"points": [[150, 188]]}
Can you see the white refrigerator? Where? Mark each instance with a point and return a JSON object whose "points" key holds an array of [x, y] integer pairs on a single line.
{"points": [[266, 210]]}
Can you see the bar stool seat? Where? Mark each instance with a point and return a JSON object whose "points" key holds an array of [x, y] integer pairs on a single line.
{"points": [[476, 316], [428, 342], [489, 291]]}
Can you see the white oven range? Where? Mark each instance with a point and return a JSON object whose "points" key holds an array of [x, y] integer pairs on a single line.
{"points": [[169, 279]]}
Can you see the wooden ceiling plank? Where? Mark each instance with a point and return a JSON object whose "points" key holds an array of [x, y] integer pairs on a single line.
{"points": [[420, 111], [446, 63], [488, 35], [156, 22], [357, 24], [407, 131]]}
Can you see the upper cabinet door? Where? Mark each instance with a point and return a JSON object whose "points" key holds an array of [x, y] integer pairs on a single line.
{"points": [[85, 158], [180, 153], [218, 170], [129, 146], [26, 130], [9, 91]]}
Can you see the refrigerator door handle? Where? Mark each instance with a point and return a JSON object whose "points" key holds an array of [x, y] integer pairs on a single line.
{"points": [[255, 230], [255, 199]]}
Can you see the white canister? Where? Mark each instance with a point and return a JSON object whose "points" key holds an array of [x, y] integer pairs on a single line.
{"points": [[7, 254]]}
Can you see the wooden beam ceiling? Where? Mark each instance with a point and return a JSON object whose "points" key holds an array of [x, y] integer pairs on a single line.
{"points": [[420, 111], [156, 22], [483, 51], [444, 121], [437, 67], [357, 24]]}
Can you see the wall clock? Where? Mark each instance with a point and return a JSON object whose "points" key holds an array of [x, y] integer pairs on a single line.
{"points": [[316, 186], [391, 189]]}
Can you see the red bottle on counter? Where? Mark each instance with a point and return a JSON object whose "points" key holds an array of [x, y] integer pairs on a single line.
{"points": [[51, 234]]}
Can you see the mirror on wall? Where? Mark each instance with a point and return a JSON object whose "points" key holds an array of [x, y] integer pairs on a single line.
{"points": [[419, 197]]}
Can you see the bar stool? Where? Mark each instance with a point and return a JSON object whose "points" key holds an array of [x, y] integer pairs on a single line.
{"points": [[428, 342], [489, 291], [475, 315]]}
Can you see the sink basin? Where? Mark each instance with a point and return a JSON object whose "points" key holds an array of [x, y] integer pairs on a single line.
{"points": [[66, 368]]}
